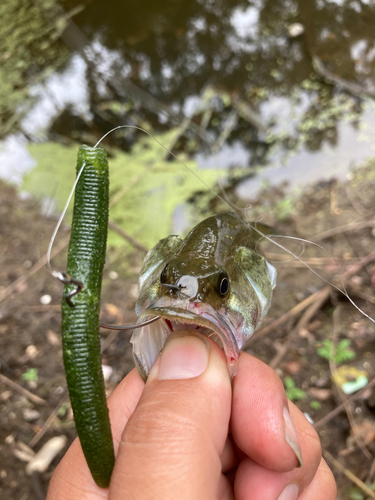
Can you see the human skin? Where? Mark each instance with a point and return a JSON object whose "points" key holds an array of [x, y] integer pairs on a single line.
{"points": [[192, 434]]}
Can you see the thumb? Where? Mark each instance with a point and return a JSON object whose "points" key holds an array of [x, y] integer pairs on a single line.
{"points": [[172, 443]]}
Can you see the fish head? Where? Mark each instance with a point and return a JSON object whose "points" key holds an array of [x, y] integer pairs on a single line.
{"points": [[225, 300]]}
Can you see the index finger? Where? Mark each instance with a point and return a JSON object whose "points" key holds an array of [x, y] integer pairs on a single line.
{"points": [[261, 424]]}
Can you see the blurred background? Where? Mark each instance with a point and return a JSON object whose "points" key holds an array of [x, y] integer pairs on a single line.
{"points": [[271, 105]]}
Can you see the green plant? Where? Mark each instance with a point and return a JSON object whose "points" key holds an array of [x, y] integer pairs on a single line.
{"points": [[315, 405], [284, 208], [62, 411], [293, 392], [343, 352], [30, 375]]}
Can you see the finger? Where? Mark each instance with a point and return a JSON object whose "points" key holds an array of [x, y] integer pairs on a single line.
{"points": [[172, 443], [72, 478], [323, 486], [261, 424], [229, 458], [255, 482]]}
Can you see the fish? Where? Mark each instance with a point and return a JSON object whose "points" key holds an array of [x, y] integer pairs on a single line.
{"points": [[213, 281]]}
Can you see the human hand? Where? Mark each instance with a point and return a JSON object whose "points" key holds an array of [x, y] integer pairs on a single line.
{"points": [[187, 434]]}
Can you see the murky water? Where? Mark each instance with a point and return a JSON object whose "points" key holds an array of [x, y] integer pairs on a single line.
{"points": [[283, 88]]}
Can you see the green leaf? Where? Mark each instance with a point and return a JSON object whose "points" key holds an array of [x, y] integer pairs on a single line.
{"points": [[315, 405], [31, 375], [293, 392]]}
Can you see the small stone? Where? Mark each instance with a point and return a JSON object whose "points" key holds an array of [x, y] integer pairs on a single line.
{"points": [[45, 299], [30, 415], [113, 275], [27, 264], [111, 309], [321, 394], [293, 367], [52, 337], [296, 29], [5, 395], [9, 439], [31, 351], [107, 372]]}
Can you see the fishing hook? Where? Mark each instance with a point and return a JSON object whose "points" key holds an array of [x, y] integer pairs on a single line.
{"points": [[67, 279], [172, 287]]}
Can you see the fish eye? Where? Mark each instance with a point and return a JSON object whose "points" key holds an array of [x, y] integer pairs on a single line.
{"points": [[223, 284]]}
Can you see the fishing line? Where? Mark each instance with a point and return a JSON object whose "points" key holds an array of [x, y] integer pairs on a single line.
{"points": [[344, 292], [64, 277], [175, 157]]}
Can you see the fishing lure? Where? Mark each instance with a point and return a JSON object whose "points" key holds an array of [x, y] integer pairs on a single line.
{"points": [[80, 323]]}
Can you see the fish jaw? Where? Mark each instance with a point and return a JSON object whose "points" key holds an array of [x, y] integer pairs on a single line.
{"points": [[149, 340]]}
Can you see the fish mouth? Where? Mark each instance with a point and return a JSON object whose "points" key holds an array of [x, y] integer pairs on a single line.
{"points": [[149, 340]]}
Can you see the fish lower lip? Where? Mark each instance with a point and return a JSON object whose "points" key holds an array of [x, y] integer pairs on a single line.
{"points": [[149, 340]]}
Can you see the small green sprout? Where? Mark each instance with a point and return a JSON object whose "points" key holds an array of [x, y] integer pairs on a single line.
{"points": [[293, 392], [62, 411], [30, 375], [343, 352], [315, 405], [284, 208]]}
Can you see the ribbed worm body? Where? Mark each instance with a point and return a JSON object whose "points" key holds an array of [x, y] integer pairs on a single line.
{"points": [[80, 324]]}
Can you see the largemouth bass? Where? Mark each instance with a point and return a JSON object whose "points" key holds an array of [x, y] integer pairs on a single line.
{"points": [[213, 281]]}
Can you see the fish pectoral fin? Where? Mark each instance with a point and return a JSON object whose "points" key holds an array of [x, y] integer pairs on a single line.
{"points": [[260, 273]]}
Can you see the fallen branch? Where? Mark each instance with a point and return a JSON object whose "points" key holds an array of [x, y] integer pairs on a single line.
{"points": [[22, 390], [291, 313], [332, 414], [135, 243], [344, 399], [47, 424], [348, 474]]}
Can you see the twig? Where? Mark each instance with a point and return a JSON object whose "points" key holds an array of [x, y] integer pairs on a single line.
{"points": [[36, 267], [333, 367], [332, 414], [357, 267], [127, 187], [229, 125], [41, 308], [363, 295], [135, 243], [351, 87], [281, 351], [313, 261], [181, 129], [292, 312], [348, 474], [355, 226], [22, 390], [47, 424], [356, 205], [302, 323], [370, 475]]}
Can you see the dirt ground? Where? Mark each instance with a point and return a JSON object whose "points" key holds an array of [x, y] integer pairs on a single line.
{"points": [[341, 217]]}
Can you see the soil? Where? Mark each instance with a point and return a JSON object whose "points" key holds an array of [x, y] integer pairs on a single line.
{"points": [[30, 330]]}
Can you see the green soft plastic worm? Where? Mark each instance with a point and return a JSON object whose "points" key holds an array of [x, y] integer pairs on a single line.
{"points": [[80, 324]]}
